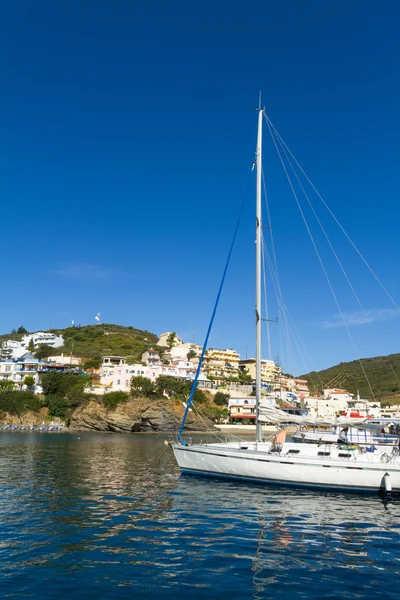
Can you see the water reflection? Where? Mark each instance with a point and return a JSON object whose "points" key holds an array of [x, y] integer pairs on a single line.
{"points": [[102, 515]]}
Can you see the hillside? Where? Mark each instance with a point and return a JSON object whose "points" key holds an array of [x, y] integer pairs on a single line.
{"points": [[383, 373], [94, 341]]}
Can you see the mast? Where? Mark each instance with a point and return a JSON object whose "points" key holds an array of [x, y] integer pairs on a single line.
{"points": [[258, 274]]}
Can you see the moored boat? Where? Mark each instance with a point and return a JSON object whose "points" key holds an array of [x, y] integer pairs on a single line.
{"points": [[335, 466]]}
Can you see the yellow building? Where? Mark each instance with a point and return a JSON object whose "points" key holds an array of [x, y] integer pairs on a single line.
{"points": [[221, 364], [269, 370]]}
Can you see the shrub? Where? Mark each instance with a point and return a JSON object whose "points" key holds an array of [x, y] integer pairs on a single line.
{"points": [[93, 363], [18, 402], [58, 407], [141, 386], [44, 351], [60, 383], [221, 398], [113, 399], [29, 381], [199, 396]]}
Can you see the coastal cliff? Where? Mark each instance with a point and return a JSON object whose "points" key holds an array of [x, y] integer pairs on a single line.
{"points": [[139, 415]]}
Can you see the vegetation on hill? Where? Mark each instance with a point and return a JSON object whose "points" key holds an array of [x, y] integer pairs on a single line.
{"points": [[95, 341], [382, 372]]}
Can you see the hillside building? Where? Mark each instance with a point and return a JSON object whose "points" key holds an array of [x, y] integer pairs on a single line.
{"points": [[269, 370]]}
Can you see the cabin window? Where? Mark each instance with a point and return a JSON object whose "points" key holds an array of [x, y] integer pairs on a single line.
{"points": [[324, 453], [344, 455], [294, 452]]}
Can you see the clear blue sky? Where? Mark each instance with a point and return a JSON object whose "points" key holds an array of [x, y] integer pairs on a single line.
{"points": [[126, 139]]}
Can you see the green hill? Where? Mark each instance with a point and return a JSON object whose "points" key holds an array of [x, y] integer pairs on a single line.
{"points": [[95, 341], [383, 373]]}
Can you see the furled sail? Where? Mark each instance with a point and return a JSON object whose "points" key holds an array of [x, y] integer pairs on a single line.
{"points": [[270, 414]]}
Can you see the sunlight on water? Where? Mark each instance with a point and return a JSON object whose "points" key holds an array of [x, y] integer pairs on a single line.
{"points": [[107, 516]]}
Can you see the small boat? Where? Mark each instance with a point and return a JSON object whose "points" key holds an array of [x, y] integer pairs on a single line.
{"points": [[330, 466]]}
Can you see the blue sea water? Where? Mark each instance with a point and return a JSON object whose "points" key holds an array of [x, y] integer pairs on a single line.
{"points": [[109, 516]]}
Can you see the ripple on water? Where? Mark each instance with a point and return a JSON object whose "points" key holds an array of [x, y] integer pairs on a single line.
{"points": [[101, 517]]}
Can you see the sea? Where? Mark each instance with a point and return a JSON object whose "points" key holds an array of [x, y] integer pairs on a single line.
{"points": [[93, 515]]}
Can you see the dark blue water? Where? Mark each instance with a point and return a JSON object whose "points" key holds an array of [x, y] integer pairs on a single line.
{"points": [[101, 516]]}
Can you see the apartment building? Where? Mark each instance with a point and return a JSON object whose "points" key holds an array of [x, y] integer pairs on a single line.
{"points": [[269, 370]]}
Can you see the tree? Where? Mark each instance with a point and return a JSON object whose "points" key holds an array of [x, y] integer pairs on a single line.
{"points": [[21, 330], [60, 383], [58, 407], [17, 402], [5, 351], [13, 331], [141, 386], [44, 351], [92, 363], [29, 381], [174, 387], [6, 384], [31, 345], [171, 339], [244, 376], [221, 399], [191, 354]]}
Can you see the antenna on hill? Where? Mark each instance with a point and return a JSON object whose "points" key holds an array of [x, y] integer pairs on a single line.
{"points": [[97, 318]]}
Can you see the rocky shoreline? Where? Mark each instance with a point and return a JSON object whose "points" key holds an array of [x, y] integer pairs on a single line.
{"points": [[139, 415]]}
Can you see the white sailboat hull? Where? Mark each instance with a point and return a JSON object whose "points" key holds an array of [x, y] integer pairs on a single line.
{"points": [[356, 473]]}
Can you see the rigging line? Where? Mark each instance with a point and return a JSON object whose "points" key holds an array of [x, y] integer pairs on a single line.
{"points": [[339, 262], [205, 423], [281, 321], [270, 228], [266, 298], [281, 303], [291, 331], [275, 262], [221, 285], [301, 355], [274, 283], [201, 415], [320, 260], [269, 122], [304, 348]]}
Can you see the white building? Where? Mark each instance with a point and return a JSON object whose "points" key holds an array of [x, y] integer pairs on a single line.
{"points": [[163, 342], [16, 371], [15, 349], [244, 409], [64, 360], [18, 349], [39, 338]]}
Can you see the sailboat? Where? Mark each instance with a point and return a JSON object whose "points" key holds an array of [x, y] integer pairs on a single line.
{"points": [[326, 466]]}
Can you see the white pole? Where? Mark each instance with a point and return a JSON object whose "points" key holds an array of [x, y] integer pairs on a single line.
{"points": [[258, 275]]}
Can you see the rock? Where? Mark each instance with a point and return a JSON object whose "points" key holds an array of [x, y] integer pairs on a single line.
{"points": [[141, 414]]}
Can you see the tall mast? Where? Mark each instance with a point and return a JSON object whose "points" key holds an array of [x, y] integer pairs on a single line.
{"points": [[258, 273]]}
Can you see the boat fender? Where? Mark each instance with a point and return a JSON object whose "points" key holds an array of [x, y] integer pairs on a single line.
{"points": [[387, 484]]}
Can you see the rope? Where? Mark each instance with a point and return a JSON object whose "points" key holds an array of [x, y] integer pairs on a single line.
{"points": [[340, 264], [269, 122], [319, 258], [192, 391]]}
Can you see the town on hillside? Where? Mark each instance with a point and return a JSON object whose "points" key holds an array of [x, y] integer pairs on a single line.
{"points": [[222, 370]]}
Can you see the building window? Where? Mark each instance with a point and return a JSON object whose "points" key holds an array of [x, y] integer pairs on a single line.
{"points": [[118, 382], [126, 382]]}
